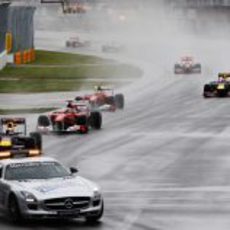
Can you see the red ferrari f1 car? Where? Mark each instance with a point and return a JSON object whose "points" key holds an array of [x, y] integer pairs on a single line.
{"points": [[75, 118], [104, 99]]}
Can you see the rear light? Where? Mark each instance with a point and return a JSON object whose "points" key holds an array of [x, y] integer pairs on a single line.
{"points": [[34, 152], [5, 154]]}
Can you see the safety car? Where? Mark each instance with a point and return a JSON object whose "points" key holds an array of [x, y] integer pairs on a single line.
{"points": [[219, 88], [41, 187], [187, 65], [14, 140]]}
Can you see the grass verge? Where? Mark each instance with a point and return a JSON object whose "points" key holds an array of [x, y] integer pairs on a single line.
{"points": [[55, 71], [25, 111]]}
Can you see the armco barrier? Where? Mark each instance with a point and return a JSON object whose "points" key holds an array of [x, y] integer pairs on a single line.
{"points": [[3, 59], [3, 25], [8, 42], [23, 57], [21, 26]]}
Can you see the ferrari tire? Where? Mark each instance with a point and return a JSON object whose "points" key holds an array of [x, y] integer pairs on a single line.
{"points": [[43, 121], [119, 101], [95, 120]]}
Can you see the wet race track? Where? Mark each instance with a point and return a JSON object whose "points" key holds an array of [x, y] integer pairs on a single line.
{"points": [[164, 162]]}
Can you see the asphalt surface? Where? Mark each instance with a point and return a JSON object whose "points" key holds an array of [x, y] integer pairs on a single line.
{"points": [[163, 162]]}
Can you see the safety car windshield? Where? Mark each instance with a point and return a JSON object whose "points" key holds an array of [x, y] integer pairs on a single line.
{"points": [[35, 171]]}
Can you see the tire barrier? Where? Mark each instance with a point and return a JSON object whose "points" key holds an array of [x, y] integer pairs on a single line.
{"points": [[18, 58], [24, 57], [20, 35]]}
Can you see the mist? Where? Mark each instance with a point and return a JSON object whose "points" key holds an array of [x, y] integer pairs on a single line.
{"points": [[152, 32]]}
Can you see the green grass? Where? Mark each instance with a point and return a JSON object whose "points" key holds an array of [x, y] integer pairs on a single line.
{"points": [[57, 58], [25, 111], [54, 71]]}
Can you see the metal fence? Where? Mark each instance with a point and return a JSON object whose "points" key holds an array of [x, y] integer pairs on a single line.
{"points": [[21, 25], [3, 25]]}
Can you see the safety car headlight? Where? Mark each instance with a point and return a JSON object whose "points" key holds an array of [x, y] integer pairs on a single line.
{"points": [[29, 197], [96, 194]]}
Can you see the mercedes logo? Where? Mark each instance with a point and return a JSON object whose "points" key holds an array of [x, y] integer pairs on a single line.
{"points": [[69, 203]]}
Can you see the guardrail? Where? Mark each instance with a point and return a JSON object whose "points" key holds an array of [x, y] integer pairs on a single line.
{"points": [[201, 3], [3, 59]]}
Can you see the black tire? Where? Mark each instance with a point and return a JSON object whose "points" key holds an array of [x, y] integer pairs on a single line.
{"points": [[44, 121], [37, 139], [68, 44], [95, 218], [119, 101], [95, 120], [177, 69], [207, 90], [197, 68], [14, 213], [29, 143]]}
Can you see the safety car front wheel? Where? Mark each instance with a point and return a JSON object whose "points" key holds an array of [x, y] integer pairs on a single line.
{"points": [[13, 210], [95, 218]]}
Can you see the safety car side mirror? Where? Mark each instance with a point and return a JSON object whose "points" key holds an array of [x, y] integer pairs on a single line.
{"points": [[73, 170]]}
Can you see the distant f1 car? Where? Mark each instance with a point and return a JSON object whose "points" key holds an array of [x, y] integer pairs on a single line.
{"points": [[219, 88], [14, 141], [77, 43], [75, 118], [187, 66], [104, 99], [112, 47]]}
